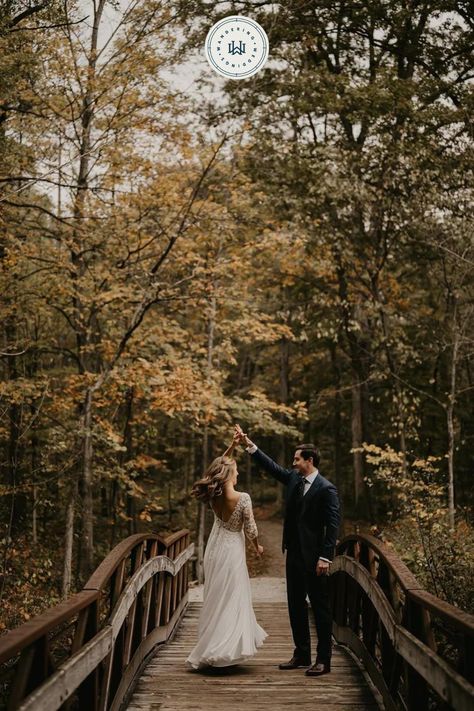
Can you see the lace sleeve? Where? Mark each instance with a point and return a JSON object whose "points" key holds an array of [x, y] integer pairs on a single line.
{"points": [[250, 527]]}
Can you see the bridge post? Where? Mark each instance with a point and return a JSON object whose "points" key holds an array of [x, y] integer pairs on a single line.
{"points": [[353, 596], [391, 662], [33, 669], [88, 691], [147, 597], [369, 613], [418, 696]]}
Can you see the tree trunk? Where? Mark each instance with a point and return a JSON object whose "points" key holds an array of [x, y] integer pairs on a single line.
{"points": [[34, 517], [360, 363], [205, 446], [34, 465], [284, 397], [202, 513], [126, 456], [450, 418], [398, 389], [16, 500], [113, 506], [189, 470], [357, 438], [79, 268], [69, 543], [336, 426], [87, 542]]}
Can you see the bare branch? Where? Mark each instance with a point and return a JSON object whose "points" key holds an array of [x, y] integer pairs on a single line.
{"points": [[194, 194], [49, 27], [37, 207], [5, 354], [28, 12]]}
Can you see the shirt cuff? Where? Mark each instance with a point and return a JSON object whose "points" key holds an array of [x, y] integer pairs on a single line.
{"points": [[325, 559], [251, 448]]}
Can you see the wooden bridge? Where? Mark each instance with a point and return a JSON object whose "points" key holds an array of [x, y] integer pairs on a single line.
{"points": [[121, 642]]}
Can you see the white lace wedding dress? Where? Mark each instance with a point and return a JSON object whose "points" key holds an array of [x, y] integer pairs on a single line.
{"points": [[228, 632]]}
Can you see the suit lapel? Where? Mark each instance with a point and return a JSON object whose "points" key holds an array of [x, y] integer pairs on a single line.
{"points": [[291, 486], [312, 491]]}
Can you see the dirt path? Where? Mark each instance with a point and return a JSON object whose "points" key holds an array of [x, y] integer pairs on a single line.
{"points": [[267, 573], [269, 535]]}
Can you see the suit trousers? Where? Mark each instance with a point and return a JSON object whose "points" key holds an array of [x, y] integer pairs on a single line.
{"points": [[301, 582]]}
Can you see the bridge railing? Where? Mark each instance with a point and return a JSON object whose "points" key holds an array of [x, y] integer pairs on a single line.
{"points": [[85, 652], [417, 649]]}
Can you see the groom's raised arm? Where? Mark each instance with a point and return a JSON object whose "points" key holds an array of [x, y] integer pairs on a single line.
{"points": [[268, 464]]}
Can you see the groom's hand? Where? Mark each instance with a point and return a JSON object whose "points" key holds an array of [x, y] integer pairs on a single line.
{"points": [[238, 433], [322, 567], [242, 436]]}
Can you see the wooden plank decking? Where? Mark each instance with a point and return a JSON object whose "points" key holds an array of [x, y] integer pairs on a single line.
{"points": [[166, 685]]}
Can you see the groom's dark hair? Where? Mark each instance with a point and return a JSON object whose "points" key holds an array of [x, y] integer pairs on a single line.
{"points": [[310, 450]]}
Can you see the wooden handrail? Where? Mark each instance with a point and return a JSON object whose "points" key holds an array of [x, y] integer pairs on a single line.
{"points": [[122, 551], [398, 568], [405, 635], [459, 619], [92, 644], [15, 640], [409, 584]]}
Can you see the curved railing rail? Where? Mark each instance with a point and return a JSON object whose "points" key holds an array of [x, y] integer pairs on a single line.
{"points": [[85, 652], [417, 649]]}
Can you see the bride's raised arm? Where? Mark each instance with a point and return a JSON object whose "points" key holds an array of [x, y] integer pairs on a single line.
{"points": [[232, 445]]}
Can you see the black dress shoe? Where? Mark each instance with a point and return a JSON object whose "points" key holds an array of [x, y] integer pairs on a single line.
{"points": [[294, 663], [318, 669]]}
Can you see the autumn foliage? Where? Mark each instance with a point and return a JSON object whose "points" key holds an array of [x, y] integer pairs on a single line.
{"points": [[294, 254]]}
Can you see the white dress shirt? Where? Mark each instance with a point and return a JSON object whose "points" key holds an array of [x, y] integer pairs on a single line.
{"points": [[308, 480]]}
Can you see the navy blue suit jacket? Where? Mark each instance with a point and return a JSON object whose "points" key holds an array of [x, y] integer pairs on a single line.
{"points": [[319, 519]]}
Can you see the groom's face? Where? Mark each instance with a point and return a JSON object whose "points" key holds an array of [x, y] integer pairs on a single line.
{"points": [[304, 466]]}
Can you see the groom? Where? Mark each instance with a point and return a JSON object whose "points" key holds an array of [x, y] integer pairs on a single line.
{"points": [[310, 528]]}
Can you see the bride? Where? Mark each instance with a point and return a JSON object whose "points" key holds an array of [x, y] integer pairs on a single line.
{"points": [[228, 632]]}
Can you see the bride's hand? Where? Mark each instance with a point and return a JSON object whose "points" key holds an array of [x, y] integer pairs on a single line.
{"points": [[260, 551], [236, 439]]}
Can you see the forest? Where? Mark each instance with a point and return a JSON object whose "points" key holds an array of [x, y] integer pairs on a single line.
{"points": [[179, 253]]}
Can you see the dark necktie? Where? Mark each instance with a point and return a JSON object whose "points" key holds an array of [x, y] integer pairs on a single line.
{"points": [[300, 491]]}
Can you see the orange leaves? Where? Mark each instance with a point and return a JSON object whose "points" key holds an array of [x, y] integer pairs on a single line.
{"points": [[23, 390]]}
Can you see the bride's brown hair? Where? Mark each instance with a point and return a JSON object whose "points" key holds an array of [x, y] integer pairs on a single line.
{"points": [[216, 475]]}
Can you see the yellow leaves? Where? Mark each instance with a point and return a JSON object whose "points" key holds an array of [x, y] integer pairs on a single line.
{"points": [[264, 415], [24, 390], [134, 489], [104, 430], [263, 328], [411, 481], [143, 462], [150, 508], [419, 463]]}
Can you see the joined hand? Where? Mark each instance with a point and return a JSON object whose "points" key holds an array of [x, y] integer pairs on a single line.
{"points": [[241, 437]]}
